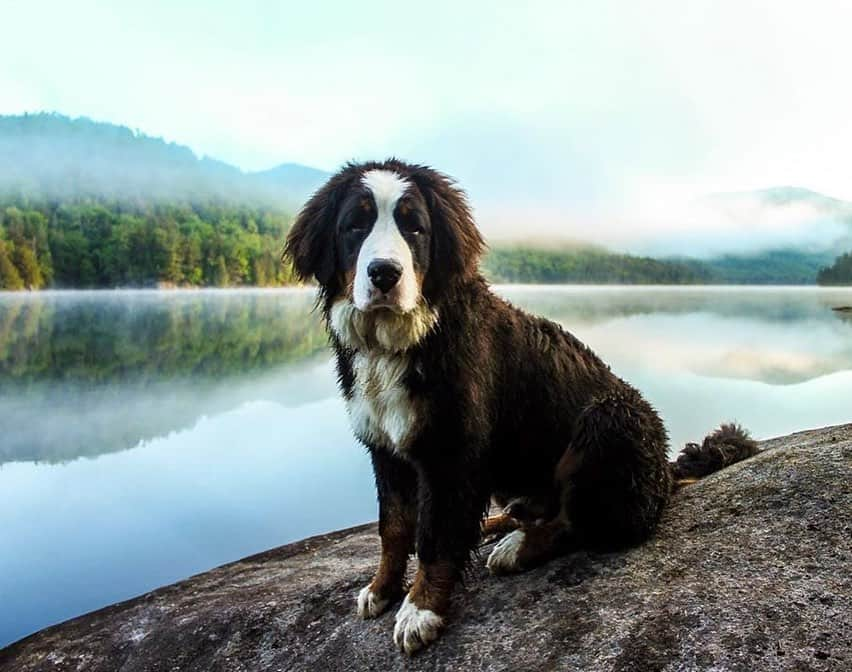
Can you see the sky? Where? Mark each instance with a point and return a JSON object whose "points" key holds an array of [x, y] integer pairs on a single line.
{"points": [[601, 120]]}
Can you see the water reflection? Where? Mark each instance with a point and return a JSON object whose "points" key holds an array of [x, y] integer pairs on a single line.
{"points": [[126, 336], [771, 335], [94, 531], [86, 373], [211, 427]]}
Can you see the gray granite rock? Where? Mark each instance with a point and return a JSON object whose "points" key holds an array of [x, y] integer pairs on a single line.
{"points": [[751, 570]]}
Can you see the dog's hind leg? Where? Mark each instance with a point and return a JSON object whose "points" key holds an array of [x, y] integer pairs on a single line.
{"points": [[518, 512], [498, 526], [531, 540], [613, 479], [543, 531], [530, 546], [528, 510], [620, 479]]}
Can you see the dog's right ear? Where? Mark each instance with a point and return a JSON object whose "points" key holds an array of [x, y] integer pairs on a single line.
{"points": [[310, 244]]}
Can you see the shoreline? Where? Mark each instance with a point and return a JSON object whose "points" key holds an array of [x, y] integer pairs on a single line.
{"points": [[252, 289]]}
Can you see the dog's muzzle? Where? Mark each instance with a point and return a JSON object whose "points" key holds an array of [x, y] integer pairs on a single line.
{"points": [[384, 274]]}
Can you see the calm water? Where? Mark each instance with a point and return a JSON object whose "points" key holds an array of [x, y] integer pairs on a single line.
{"points": [[147, 436]]}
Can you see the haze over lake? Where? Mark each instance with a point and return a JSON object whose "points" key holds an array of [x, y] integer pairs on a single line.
{"points": [[146, 436]]}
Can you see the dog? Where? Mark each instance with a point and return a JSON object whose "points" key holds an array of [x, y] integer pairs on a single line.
{"points": [[464, 400]]}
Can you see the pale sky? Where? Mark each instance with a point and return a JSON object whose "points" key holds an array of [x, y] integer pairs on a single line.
{"points": [[592, 120]]}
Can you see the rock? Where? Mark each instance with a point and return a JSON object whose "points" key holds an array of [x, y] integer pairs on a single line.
{"points": [[750, 570]]}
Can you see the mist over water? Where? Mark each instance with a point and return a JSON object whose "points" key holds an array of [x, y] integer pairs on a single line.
{"points": [[104, 370], [147, 436]]}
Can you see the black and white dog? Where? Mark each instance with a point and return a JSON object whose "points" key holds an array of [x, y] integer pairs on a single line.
{"points": [[462, 398]]}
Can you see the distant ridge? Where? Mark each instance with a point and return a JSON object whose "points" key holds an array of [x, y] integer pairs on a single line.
{"points": [[92, 204], [292, 180], [71, 185], [786, 195], [531, 263], [827, 220], [56, 157]]}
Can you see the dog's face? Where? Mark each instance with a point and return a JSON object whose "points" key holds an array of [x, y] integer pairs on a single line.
{"points": [[385, 241]]}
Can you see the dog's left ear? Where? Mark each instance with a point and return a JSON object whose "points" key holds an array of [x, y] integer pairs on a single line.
{"points": [[456, 242], [310, 243]]}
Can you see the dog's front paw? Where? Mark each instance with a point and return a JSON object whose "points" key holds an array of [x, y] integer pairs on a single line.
{"points": [[504, 556], [370, 604], [415, 627]]}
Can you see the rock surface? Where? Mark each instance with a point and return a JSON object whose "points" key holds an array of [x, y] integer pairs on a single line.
{"points": [[751, 570]]}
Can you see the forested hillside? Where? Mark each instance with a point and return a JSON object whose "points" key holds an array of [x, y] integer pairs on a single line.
{"points": [[773, 267], [839, 273], [50, 156], [584, 265], [596, 265], [99, 244], [88, 204], [102, 244]]}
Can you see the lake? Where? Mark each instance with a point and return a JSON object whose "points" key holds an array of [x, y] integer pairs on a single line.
{"points": [[146, 436]]}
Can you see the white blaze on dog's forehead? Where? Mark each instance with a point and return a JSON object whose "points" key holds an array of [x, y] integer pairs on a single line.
{"points": [[387, 187]]}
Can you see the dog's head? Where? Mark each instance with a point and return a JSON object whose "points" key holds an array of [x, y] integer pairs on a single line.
{"points": [[385, 241]]}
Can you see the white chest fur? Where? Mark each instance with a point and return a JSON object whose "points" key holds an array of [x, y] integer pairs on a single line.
{"points": [[380, 408]]}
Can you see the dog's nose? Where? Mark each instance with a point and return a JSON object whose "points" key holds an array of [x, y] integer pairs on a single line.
{"points": [[384, 273]]}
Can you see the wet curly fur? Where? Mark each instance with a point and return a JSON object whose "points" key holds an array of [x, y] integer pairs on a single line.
{"points": [[725, 446], [509, 407]]}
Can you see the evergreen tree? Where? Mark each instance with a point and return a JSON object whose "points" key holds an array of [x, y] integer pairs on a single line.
{"points": [[839, 273]]}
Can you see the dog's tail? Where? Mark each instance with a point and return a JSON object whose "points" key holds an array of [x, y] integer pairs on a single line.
{"points": [[721, 448]]}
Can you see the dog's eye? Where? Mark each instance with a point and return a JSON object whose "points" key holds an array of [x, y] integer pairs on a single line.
{"points": [[358, 223], [410, 224]]}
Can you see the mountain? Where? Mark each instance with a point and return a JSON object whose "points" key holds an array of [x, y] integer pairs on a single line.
{"points": [[71, 188], [782, 218], [784, 196], [91, 204], [292, 181], [55, 157], [787, 235]]}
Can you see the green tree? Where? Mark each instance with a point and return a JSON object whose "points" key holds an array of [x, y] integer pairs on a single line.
{"points": [[25, 261], [166, 256], [93, 242], [114, 253], [191, 259], [220, 272], [9, 276], [839, 273], [72, 261]]}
